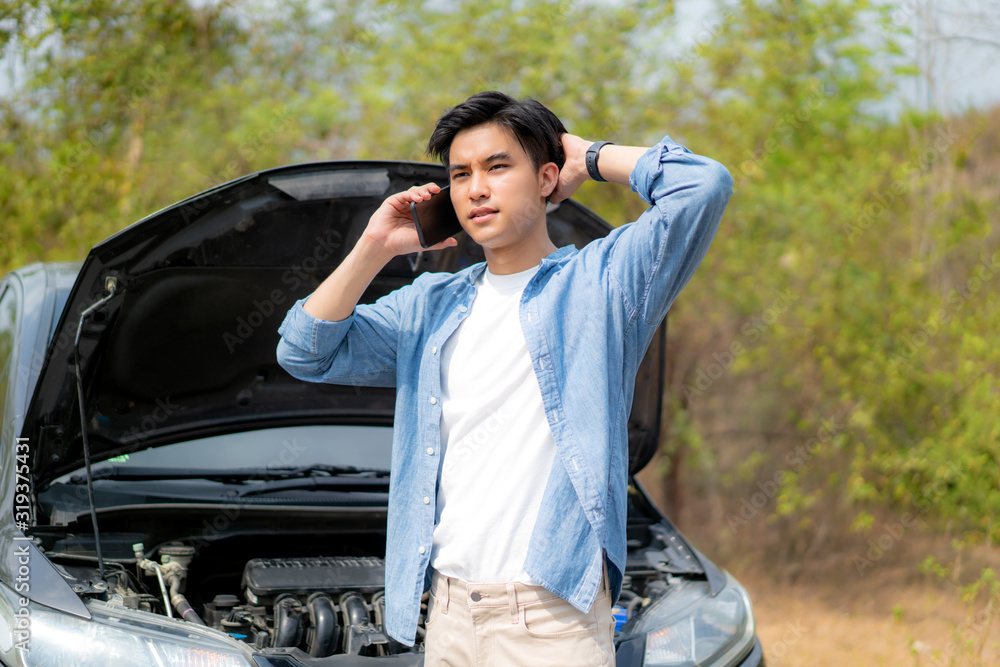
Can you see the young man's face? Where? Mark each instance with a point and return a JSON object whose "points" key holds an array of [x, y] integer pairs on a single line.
{"points": [[498, 194]]}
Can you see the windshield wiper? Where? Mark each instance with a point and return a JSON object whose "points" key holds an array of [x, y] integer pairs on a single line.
{"points": [[340, 483], [321, 469], [239, 475]]}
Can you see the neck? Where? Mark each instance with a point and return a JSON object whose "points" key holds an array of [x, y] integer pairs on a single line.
{"points": [[520, 256]]}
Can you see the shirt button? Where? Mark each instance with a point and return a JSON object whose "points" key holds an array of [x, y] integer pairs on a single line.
{"points": [[422, 550], [434, 350], [427, 500], [434, 400], [462, 309], [430, 451]]}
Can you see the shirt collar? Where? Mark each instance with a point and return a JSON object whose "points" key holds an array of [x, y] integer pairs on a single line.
{"points": [[558, 255], [553, 257]]}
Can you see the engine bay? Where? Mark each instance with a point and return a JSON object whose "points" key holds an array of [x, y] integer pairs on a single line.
{"points": [[322, 593], [322, 605]]}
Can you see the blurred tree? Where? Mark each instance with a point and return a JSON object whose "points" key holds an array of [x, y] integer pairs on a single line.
{"points": [[114, 115], [845, 305]]}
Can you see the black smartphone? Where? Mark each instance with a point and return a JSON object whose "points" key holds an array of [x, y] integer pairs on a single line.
{"points": [[435, 218]]}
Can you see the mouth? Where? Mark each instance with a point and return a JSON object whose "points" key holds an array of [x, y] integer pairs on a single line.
{"points": [[482, 214]]}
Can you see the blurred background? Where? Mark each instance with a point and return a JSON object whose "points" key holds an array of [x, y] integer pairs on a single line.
{"points": [[831, 435]]}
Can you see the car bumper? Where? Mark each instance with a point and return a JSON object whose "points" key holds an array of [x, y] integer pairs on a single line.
{"points": [[629, 654]]}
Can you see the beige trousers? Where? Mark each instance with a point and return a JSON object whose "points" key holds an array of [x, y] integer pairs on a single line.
{"points": [[504, 625]]}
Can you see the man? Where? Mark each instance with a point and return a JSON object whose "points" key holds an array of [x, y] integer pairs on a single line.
{"points": [[514, 380]]}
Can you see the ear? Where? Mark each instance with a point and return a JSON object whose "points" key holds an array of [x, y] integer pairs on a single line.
{"points": [[548, 178]]}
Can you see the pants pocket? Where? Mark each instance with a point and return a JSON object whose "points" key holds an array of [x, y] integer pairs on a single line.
{"points": [[432, 610], [557, 618]]}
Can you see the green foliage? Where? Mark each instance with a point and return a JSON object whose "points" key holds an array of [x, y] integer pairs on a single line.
{"points": [[981, 597], [852, 267]]}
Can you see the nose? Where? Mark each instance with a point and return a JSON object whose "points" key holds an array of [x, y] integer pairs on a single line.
{"points": [[478, 188]]}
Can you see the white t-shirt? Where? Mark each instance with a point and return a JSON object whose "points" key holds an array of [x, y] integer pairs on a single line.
{"points": [[497, 448]]}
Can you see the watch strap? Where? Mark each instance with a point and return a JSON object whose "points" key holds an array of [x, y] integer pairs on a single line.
{"points": [[592, 154]]}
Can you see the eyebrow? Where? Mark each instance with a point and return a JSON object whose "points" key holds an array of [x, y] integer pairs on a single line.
{"points": [[496, 157]]}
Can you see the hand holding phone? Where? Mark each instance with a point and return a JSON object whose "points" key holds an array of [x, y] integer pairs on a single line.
{"points": [[435, 218]]}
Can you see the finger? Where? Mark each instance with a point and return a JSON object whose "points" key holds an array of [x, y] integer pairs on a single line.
{"points": [[559, 194], [449, 242], [422, 192], [401, 201]]}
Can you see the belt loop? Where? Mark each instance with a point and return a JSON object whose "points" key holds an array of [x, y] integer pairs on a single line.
{"points": [[447, 593], [512, 601]]}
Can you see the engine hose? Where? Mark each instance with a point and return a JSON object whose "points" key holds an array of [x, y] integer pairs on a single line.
{"points": [[286, 622], [325, 631], [180, 602], [355, 613], [355, 609], [633, 605]]}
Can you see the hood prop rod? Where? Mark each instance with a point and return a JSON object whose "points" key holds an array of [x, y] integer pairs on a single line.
{"points": [[110, 282]]}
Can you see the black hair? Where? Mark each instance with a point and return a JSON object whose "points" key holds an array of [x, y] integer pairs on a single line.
{"points": [[536, 128]]}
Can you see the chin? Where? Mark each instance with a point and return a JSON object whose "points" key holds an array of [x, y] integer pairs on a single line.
{"points": [[488, 238]]}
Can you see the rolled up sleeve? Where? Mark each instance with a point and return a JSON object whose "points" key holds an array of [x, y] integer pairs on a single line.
{"points": [[653, 258], [359, 350]]}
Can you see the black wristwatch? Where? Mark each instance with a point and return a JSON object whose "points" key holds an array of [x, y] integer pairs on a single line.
{"points": [[592, 154]]}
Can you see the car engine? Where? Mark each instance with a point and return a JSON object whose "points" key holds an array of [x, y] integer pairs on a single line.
{"points": [[323, 605]]}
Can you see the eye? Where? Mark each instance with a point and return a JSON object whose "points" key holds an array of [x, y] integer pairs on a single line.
{"points": [[457, 174], [497, 166]]}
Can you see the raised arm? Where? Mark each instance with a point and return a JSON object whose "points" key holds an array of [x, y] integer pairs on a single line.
{"points": [[321, 338], [615, 164], [390, 232], [651, 259]]}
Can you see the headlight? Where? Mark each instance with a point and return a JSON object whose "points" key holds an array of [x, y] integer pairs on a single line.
{"points": [[123, 638], [688, 628]]}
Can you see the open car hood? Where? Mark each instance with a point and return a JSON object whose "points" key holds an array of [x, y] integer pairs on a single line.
{"points": [[185, 346]]}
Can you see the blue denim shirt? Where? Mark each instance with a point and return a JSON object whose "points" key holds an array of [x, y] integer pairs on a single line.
{"points": [[588, 316]]}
